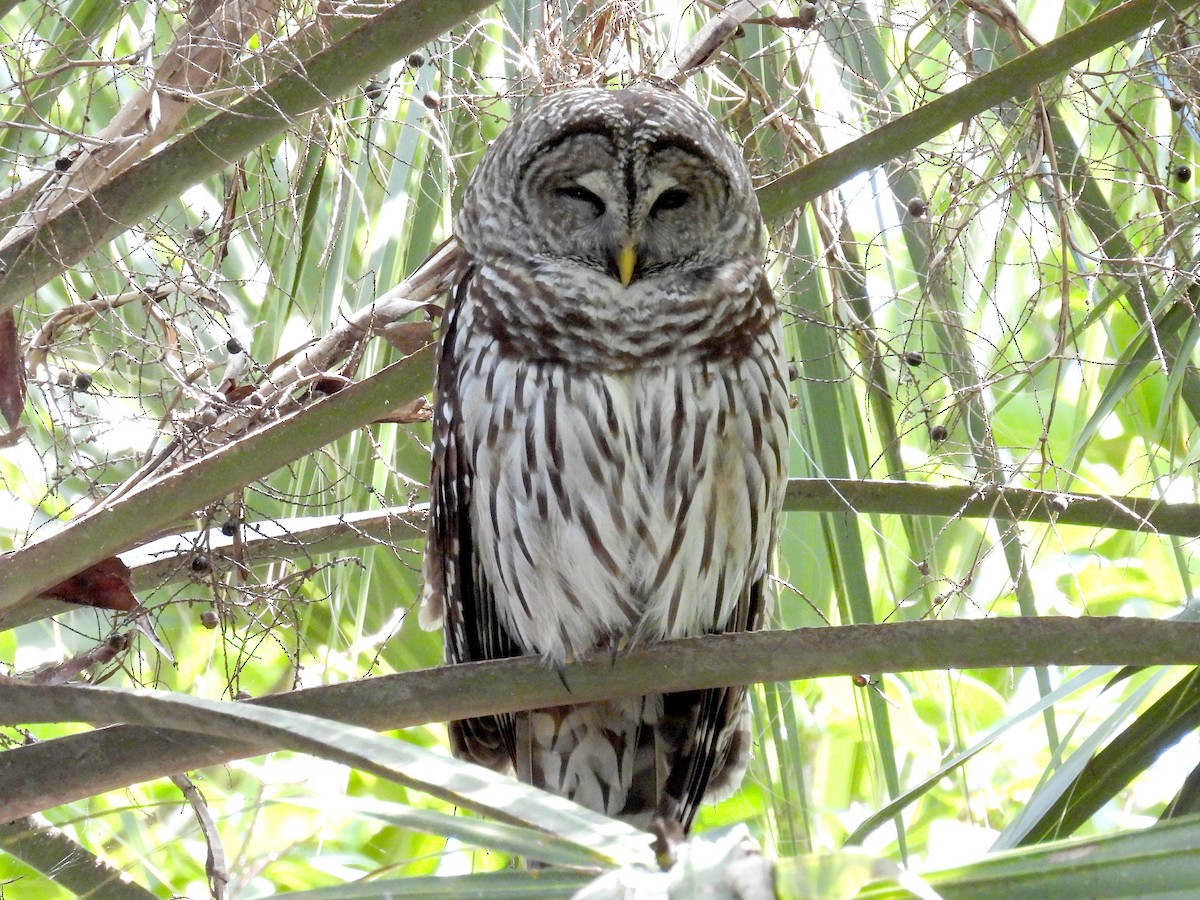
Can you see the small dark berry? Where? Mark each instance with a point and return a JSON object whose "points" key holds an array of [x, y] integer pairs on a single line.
{"points": [[917, 207], [416, 60], [1183, 174], [200, 563], [199, 234], [432, 100], [117, 642], [63, 163], [82, 382], [373, 89], [913, 358], [1177, 103], [938, 433], [209, 619], [234, 347], [808, 15], [229, 529]]}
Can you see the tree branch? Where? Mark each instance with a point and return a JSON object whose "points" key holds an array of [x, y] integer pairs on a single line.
{"points": [[110, 529], [165, 561], [792, 191], [39, 256], [990, 501], [112, 758]]}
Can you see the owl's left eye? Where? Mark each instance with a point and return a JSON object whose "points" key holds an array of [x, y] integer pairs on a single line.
{"points": [[671, 198]]}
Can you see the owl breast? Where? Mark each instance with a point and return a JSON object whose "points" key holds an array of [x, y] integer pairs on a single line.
{"points": [[631, 485], [553, 310]]}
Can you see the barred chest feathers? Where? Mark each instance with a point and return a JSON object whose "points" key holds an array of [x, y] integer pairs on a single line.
{"points": [[623, 502]]}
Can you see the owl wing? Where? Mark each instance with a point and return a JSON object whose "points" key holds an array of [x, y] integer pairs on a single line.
{"points": [[457, 592], [706, 736], [707, 733]]}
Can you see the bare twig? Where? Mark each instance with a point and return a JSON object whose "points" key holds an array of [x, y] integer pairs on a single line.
{"points": [[709, 39], [215, 865], [276, 396], [203, 51]]}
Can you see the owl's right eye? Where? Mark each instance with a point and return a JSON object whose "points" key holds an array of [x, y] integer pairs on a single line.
{"points": [[582, 195]]}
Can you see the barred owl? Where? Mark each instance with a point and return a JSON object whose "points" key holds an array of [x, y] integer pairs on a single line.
{"points": [[610, 438]]}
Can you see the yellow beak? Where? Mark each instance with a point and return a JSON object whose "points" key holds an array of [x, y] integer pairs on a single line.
{"points": [[626, 260]]}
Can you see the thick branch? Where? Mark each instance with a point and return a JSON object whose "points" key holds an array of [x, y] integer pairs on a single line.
{"points": [[208, 44], [112, 758], [37, 257], [109, 530], [165, 560], [991, 501]]}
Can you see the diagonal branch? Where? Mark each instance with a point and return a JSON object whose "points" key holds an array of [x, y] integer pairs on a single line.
{"points": [[159, 504], [150, 501], [204, 50], [1012, 79], [40, 256]]}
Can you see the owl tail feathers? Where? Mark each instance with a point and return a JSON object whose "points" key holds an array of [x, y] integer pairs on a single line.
{"points": [[649, 761], [599, 755], [640, 759], [707, 736], [483, 741], [727, 777]]}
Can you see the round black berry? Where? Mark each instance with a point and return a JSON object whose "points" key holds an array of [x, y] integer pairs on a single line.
{"points": [[806, 15]]}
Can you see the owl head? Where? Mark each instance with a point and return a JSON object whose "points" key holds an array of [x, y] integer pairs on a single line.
{"points": [[632, 186]]}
